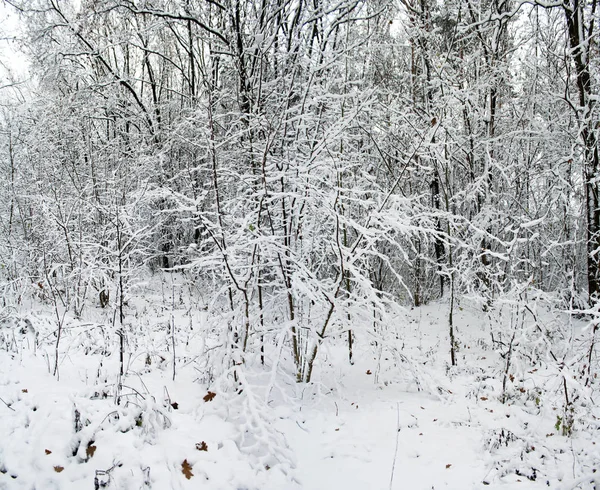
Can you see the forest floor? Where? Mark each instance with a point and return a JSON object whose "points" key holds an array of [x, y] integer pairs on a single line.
{"points": [[424, 425]]}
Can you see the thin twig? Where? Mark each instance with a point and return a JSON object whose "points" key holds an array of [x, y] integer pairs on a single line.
{"points": [[7, 405], [397, 438]]}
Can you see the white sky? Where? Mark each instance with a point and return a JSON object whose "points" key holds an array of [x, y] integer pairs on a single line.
{"points": [[13, 64]]}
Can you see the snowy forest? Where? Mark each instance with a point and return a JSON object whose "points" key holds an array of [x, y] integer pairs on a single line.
{"points": [[300, 244]]}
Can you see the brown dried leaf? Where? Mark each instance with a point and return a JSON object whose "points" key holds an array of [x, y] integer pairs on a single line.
{"points": [[209, 396], [58, 469], [175, 405], [369, 371], [202, 446], [90, 450], [448, 465], [186, 469], [24, 390], [483, 398], [47, 451]]}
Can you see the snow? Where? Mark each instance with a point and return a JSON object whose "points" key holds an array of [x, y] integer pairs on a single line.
{"points": [[361, 426]]}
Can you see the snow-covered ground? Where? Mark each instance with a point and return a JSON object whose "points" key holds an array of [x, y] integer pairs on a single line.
{"points": [[399, 418]]}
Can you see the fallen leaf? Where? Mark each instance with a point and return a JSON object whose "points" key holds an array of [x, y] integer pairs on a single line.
{"points": [[209, 396], [448, 465], [484, 398], [175, 405], [24, 390], [201, 446], [47, 451], [186, 469], [369, 371], [58, 469], [90, 450]]}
